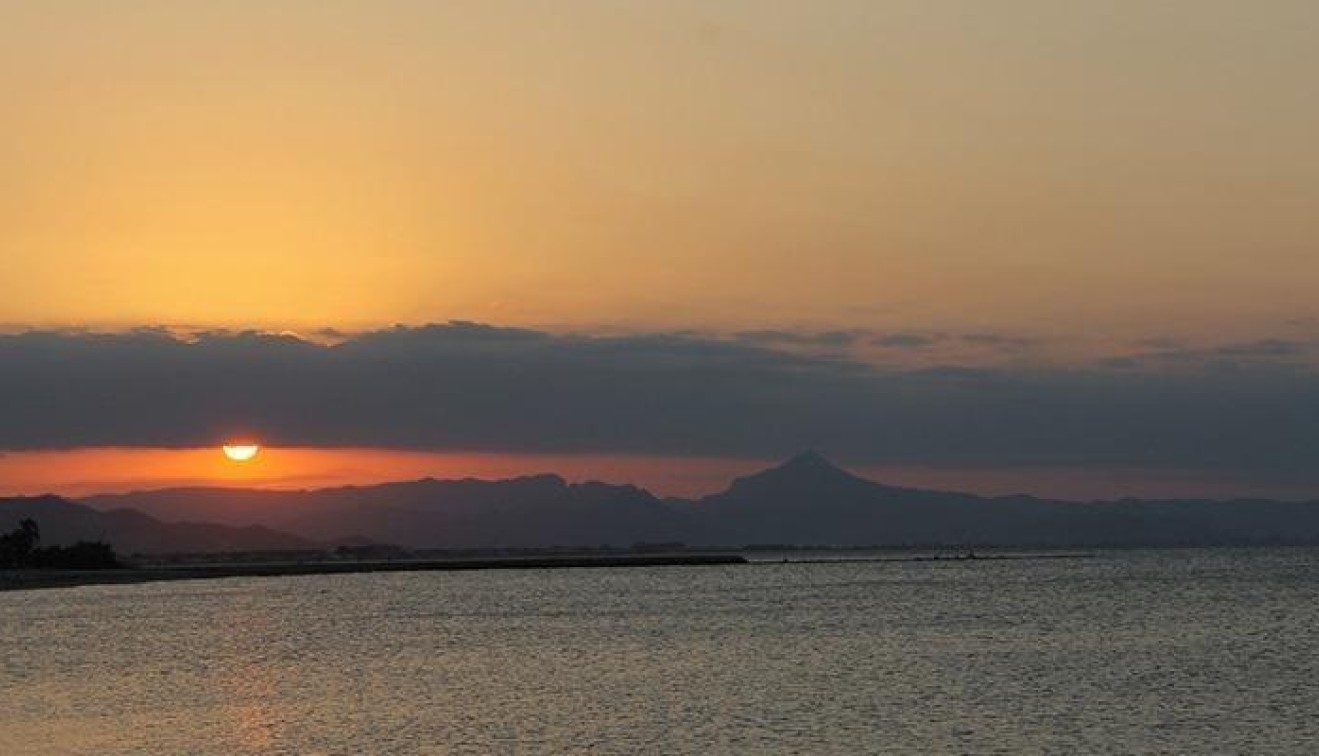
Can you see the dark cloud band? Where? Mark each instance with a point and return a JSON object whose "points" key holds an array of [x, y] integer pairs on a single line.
{"points": [[476, 387]]}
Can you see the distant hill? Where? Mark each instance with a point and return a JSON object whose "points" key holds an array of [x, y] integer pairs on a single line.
{"points": [[808, 500], [543, 510], [64, 522], [804, 501]]}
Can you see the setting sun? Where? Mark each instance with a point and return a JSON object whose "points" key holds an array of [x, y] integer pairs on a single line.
{"points": [[240, 452]]}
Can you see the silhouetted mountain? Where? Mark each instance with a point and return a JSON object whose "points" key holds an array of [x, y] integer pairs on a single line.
{"points": [[808, 500], [541, 510], [805, 501], [64, 522]]}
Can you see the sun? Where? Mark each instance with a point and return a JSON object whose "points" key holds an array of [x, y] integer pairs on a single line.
{"points": [[240, 452]]}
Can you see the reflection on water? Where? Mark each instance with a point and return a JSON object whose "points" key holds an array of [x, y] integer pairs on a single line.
{"points": [[1178, 651], [256, 707]]}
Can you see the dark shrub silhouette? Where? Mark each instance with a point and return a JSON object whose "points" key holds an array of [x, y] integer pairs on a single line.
{"points": [[83, 555], [18, 549]]}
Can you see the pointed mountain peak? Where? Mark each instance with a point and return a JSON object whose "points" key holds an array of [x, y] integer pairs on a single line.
{"points": [[809, 460], [806, 471]]}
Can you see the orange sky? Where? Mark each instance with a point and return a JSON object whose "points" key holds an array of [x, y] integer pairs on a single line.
{"points": [[84, 471], [1087, 173], [88, 471], [887, 163]]}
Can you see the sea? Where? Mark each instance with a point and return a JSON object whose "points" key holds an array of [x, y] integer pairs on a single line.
{"points": [[1171, 652]]}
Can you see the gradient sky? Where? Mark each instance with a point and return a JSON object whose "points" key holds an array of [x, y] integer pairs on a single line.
{"points": [[1017, 186]]}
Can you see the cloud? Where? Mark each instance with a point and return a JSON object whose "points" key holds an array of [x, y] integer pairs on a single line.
{"points": [[1265, 348], [1008, 342], [904, 340], [469, 386], [834, 339], [1245, 355], [856, 340]]}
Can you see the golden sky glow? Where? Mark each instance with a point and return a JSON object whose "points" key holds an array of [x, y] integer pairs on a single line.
{"points": [[86, 471], [110, 470], [877, 162], [1083, 180]]}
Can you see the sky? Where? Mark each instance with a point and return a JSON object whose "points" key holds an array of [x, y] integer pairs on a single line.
{"points": [[1066, 248]]}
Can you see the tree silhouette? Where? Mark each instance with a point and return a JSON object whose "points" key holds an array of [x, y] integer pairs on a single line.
{"points": [[18, 549]]}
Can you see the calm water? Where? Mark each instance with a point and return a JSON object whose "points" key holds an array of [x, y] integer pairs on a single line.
{"points": [[1147, 652]]}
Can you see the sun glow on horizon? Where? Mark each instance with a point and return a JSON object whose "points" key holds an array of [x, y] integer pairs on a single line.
{"points": [[240, 452]]}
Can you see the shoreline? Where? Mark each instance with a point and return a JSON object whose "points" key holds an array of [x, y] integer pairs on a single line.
{"points": [[18, 580], [38, 579], [931, 558]]}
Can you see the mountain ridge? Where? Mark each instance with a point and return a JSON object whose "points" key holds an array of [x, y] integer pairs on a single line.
{"points": [[806, 500], [63, 522]]}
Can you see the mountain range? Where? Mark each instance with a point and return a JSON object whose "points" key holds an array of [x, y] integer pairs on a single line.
{"points": [[805, 501], [63, 522]]}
